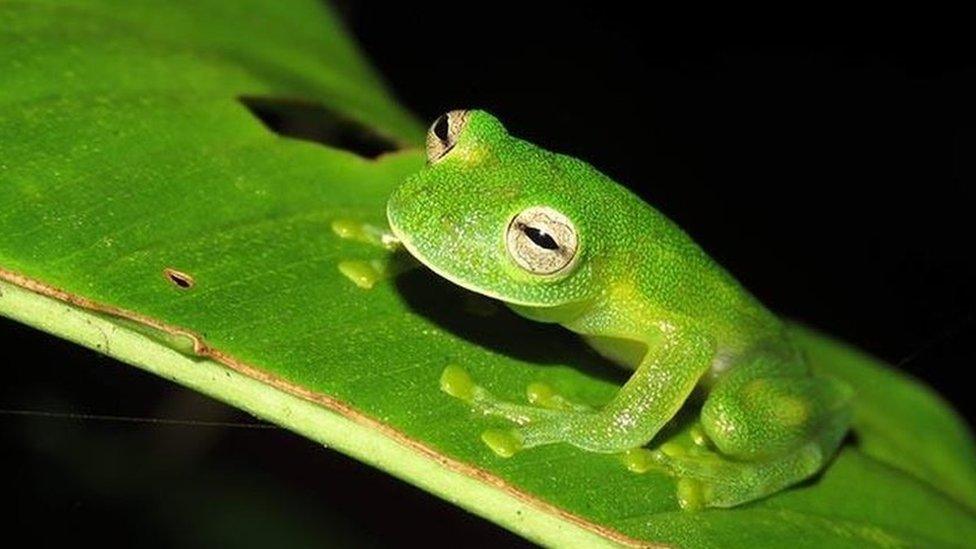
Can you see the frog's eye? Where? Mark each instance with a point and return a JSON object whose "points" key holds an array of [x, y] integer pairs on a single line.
{"points": [[542, 240], [443, 134]]}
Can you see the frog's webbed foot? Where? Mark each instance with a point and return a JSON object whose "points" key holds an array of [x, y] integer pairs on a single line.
{"points": [[365, 233], [366, 273], [707, 478], [537, 422]]}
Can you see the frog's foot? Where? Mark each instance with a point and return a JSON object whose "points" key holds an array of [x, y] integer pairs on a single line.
{"points": [[365, 233], [456, 382], [709, 479], [367, 273], [641, 460], [547, 408], [370, 272]]}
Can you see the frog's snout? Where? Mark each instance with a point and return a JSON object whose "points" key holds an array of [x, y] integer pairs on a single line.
{"points": [[400, 204], [393, 209]]}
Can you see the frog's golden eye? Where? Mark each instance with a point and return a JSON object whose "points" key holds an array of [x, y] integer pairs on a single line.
{"points": [[443, 134], [542, 240]]}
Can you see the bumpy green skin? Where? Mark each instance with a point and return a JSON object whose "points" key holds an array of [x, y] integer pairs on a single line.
{"points": [[643, 293]]}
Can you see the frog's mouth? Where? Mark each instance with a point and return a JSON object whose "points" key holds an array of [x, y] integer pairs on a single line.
{"points": [[411, 247]]}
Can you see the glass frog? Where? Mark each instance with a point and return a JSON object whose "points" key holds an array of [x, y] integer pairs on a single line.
{"points": [[558, 241]]}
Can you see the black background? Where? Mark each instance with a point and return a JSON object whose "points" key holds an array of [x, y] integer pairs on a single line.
{"points": [[834, 180]]}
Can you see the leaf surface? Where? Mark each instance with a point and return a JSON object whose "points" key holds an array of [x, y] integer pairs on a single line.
{"points": [[126, 155]]}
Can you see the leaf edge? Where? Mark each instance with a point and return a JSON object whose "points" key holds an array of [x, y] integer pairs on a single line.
{"points": [[129, 338]]}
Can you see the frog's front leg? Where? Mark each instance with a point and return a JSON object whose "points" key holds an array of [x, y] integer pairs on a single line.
{"points": [[655, 392], [367, 273], [366, 233], [456, 382]]}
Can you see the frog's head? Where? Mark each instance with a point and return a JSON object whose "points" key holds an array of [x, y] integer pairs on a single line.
{"points": [[498, 215]]}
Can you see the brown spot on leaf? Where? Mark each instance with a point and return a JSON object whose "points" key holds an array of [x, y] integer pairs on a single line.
{"points": [[180, 279]]}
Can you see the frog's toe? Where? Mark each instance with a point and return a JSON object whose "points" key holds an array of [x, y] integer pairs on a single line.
{"points": [[708, 479], [641, 460], [691, 494], [698, 477], [504, 442], [366, 233], [542, 394], [693, 462], [456, 382]]}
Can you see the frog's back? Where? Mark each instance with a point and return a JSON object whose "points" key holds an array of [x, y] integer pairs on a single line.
{"points": [[643, 249]]}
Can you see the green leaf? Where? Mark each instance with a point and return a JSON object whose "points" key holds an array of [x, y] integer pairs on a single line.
{"points": [[127, 161]]}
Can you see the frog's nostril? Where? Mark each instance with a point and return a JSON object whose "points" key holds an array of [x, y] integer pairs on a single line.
{"points": [[446, 222]]}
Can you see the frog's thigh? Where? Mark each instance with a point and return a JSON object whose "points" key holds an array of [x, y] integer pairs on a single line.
{"points": [[752, 415], [777, 430]]}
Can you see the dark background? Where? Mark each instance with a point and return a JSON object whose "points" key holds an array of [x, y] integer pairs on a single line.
{"points": [[834, 180]]}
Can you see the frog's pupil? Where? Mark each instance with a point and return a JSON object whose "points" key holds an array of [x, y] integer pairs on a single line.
{"points": [[440, 128], [540, 238]]}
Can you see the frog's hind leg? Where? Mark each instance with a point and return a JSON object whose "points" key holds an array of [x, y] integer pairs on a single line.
{"points": [[710, 479], [769, 432]]}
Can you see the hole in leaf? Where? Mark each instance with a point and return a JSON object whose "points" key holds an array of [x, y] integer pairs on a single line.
{"points": [[313, 122], [180, 279]]}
